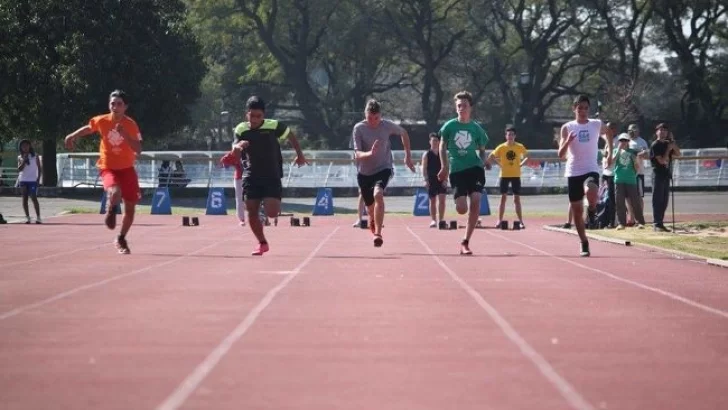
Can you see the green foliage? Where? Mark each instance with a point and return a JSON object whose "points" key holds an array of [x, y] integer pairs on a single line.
{"points": [[64, 57]]}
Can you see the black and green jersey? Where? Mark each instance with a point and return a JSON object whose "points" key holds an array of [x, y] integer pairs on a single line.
{"points": [[262, 158]]}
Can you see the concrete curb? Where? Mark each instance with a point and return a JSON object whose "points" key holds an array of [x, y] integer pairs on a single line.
{"points": [[672, 252], [588, 234]]}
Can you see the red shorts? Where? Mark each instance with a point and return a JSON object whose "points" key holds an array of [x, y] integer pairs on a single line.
{"points": [[126, 179]]}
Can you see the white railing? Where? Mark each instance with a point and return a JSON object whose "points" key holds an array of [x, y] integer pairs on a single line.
{"points": [[698, 167]]}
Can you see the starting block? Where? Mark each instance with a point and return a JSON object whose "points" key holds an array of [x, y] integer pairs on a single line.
{"points": [[453, 224], [363, 224], [187, 221], [503, 225], [442, 225], [516, 225], [298, 222]]}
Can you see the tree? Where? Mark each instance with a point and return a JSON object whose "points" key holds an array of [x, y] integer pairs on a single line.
{"points": [[702, 103], [64, 57], [427, 32], [546, 41]]}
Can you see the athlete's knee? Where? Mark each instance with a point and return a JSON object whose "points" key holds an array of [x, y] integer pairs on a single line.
{"points": [[517, 199], [378, 194]]}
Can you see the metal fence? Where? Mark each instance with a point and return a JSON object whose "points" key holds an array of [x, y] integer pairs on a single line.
{"points": [[698, 167]]}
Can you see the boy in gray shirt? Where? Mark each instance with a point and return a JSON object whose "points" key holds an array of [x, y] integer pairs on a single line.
{"points": [[374, 162]]}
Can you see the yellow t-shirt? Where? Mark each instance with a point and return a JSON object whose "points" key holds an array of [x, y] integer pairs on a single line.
{"points": [[510, 157]]}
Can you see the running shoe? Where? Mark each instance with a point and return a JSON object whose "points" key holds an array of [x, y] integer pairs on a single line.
{"points": [[261, 249]]}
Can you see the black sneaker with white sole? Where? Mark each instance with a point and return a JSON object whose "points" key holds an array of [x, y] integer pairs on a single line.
{"points": [[585, 249], [122, 246]]}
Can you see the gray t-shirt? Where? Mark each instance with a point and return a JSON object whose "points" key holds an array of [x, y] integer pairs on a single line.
{"points": [[364, 137]]}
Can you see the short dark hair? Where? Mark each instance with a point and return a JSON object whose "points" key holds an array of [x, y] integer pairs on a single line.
{"points": [[435, 136], [255, 103], [121, 94], [373, 107], [580, 99], [511, 128], [464, 95]]}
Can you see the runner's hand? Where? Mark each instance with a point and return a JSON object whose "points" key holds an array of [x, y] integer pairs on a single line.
{"points": [[300, 160], [409, 163]]}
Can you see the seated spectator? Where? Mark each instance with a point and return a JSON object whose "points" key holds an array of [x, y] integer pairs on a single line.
{"points": [[165, 174]]}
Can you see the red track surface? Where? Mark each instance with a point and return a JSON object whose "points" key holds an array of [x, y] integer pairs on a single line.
{"points": [[326, 321]]}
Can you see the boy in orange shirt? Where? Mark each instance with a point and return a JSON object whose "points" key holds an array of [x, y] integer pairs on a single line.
{"points": [[121, 142]]}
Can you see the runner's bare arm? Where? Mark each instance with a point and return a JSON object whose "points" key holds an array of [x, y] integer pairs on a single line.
{"points": [[444, 160], [607, 134], [564, 141], [79, 133], [407, 150], [300, 158]]}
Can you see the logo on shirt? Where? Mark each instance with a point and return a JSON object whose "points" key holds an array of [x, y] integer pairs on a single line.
{"points": [[583, 136], [625, 159], [115, 139], [463, 139], [511, 156]]}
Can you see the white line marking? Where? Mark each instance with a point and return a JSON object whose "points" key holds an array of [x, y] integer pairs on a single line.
{"points": [[73, 291], [721, 313], [567, 390], [71, 252], [194, 379], [53, 255]]}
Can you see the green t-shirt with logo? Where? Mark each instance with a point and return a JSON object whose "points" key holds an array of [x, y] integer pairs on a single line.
{"points": [[624, 166], [463, 142]]}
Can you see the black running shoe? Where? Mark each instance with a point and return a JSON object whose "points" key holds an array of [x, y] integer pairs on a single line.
{"points": [[122, 246], [585, 249]]}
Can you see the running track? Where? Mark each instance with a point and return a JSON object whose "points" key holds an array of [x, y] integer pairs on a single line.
{"points": [[326, 321]]}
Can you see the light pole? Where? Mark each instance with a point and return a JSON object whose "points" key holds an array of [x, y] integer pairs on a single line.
{"points": [[524, 82], [224, 123]]}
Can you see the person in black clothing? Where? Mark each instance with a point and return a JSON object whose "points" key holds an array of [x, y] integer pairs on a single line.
{"points": [[662, 151], [257, 146], [436, 189]]}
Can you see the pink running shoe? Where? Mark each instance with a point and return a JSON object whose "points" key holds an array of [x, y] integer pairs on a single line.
{"points": [[261, 249]]}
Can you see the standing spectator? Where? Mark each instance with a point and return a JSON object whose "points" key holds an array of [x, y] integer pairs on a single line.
{"points": [[608, 178], [640, 146], [662, 151], [29, 171], [626, 166]]}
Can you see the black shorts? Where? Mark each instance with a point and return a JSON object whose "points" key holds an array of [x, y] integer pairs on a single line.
{"points": [[641, 185], [368, 182], [435, 188], [260, 188], [514, 182], [467, 181], [577, 184]]}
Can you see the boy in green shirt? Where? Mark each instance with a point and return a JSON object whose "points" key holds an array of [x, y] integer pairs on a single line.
{"points": [[462, 153], [626, 167]]}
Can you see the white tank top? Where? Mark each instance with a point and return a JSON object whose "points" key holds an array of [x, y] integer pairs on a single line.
{"points": [[581, 157], [30, 172]]}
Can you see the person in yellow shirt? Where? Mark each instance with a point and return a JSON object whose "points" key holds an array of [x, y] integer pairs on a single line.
{"points": [[510, 156]]}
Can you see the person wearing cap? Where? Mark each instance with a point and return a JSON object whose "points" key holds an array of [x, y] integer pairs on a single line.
{"points": [[639, 145], [626, 166], [662, 151]]}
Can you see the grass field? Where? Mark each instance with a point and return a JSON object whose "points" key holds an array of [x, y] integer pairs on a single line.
{"points": [[708, 239]]}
